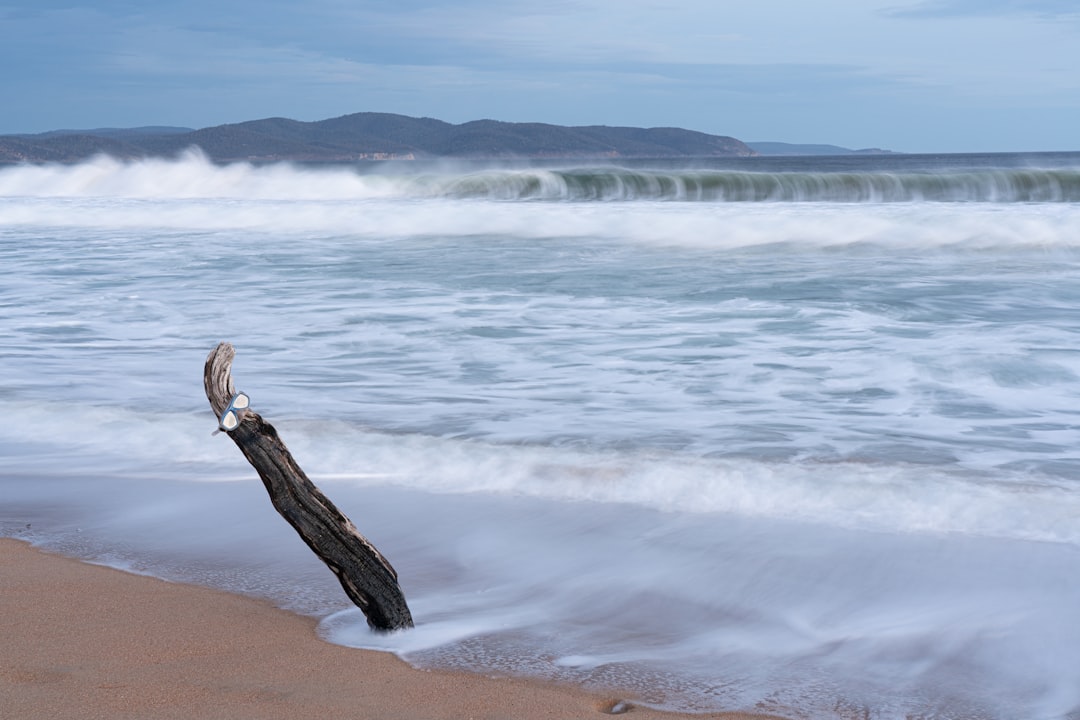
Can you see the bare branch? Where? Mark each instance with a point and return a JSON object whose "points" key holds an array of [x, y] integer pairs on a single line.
{"points": [[366, 576]]}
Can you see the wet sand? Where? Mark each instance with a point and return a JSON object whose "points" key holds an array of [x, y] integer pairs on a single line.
{"points": [[85, 641]]}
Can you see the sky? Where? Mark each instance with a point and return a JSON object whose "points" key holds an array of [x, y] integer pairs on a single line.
{"points": [[905, 75]]}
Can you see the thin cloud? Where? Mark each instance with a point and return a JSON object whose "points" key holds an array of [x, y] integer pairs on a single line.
{"points": [[1051, 9]]}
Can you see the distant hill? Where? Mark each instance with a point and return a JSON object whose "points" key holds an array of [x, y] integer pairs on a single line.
{"points": [[371, 136], [118, 133], [780, 148]]}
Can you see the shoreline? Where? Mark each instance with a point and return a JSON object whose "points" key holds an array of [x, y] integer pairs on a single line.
{"points": [[79, 640]]}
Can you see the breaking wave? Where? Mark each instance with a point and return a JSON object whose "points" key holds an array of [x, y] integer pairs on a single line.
{"points": [[192, 175], [995, 186]]}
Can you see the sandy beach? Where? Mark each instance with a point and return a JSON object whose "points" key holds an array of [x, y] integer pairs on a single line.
{"points": [[86, 641]]}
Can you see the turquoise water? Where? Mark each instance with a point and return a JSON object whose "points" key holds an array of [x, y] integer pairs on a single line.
{"points": [[791, 450]]}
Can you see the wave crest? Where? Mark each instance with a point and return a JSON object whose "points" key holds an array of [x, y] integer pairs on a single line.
{"points": [[192, 175]]}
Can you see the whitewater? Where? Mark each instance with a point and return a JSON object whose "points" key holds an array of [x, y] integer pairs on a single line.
{"points": [[796, 436]]}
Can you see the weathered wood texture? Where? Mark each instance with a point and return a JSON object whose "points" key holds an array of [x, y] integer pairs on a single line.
{"points": [[367, 577]]}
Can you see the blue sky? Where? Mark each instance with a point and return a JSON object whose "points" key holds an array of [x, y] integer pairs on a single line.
{"points": [[907, 75]]}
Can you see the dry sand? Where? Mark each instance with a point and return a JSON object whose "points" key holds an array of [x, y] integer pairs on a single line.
{"points": [[84, 641]]}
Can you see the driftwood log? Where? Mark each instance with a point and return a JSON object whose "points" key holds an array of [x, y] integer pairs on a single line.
{"points": [[368, 579]]}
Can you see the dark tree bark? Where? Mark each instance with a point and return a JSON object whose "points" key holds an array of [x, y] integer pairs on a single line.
{"points": [[367, 577]]}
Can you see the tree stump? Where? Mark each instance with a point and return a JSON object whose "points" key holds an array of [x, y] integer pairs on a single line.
{"points": [[366, 576]]}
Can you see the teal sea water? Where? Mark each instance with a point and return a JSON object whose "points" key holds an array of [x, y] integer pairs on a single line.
{"points": [[761, 434]]}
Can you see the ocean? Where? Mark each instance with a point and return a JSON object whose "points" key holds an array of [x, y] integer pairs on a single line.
{"points": [[794, 435]]}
